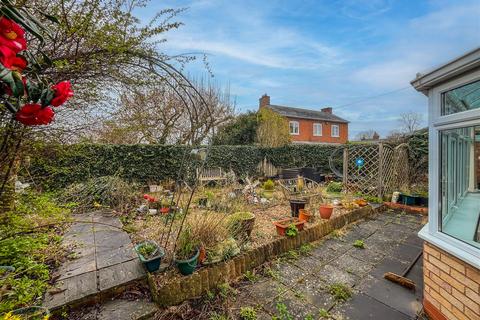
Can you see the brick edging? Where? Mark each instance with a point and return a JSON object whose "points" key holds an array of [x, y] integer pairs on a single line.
{"points": [[178, 289], [432, 311]]}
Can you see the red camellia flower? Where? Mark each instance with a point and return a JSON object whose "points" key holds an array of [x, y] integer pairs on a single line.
{"points": [[146, 196], [63, 92], [12, 35], [10, 59], [33, 114]]}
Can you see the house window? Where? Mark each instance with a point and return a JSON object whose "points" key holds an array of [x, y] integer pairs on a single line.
{"points": [[294, 128], [335, 131], [317, 129], [461, 99], [459, 194]]}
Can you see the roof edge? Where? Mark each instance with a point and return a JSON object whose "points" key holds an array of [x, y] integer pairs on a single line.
{"points": [[447, 71]]}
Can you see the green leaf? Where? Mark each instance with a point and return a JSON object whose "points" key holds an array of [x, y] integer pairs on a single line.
{"points": [[34, 91], [10, 78], [50, 17], [47, 96]]}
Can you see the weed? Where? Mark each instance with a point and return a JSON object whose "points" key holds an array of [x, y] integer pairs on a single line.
{"points": [[338, 233], [251, 276], [309, 317], [210, 295], [217, 316], [291, 231], [269, 272], [291, 255], [324, 314], [306, 249], [359, 244], [225, 290], [340, 291], [283, 311], [248, 313], [334, 187]]}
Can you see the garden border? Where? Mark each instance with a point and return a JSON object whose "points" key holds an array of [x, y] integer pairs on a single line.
{"points": [[179, 289]]}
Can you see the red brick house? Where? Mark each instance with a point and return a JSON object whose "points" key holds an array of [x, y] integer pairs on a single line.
{"points": [[311, 126]]}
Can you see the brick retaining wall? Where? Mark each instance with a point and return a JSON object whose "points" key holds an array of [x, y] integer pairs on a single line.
{"points": [[175, 290]]}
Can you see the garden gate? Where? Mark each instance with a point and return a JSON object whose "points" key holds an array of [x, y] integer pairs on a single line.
{"points": [[373, 169]]}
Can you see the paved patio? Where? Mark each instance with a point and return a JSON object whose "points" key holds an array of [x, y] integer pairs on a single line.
{"points": [[301, 285]]}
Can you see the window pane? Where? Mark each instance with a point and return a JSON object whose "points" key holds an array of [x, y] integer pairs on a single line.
{"points": [[460, 177], [317, 129], [461, 99]]}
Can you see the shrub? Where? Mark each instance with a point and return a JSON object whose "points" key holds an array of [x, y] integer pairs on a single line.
{"points": [[334, 187], [109, 191], [359, 244], [269, 185]]}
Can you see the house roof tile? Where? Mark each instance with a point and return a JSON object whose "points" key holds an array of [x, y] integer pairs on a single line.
{"points": [[305, 114]]}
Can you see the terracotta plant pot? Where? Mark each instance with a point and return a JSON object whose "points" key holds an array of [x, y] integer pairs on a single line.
{"points": [[304, 215], [202, 255], [164, 210], [282, 225], [325, 211]]}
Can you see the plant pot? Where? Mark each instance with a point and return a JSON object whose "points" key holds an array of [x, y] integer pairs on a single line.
{"points": [[164, 210], [282, 225], [186, 267], [202, 255], [296, 205], [268, 194], [242, 228], [325, 211], [408, 200], [152, 263], [304, 215], [421, 201]]}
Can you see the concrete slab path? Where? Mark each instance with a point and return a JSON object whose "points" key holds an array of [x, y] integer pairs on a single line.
{"points": [[301, 286], [104, 261]]}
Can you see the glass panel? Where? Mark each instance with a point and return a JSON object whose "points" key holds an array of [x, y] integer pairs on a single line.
{"points": [[460, 177], [461, 99]]}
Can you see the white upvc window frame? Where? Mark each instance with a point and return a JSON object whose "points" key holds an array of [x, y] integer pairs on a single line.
{"points": [[316, 134], [436, 123], [338, 130], [295, 123]]}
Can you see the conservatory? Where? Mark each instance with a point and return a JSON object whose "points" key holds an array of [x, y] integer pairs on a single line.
{"points": [[452, 235]]}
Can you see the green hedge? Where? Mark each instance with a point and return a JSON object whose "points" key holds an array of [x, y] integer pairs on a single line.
{"points": [[57, 166]]}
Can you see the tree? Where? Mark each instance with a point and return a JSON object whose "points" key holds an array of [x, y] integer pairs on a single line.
{"points": [[240, 131], [410, 122], [106, 50], [366, 135], [272, 129], [157, 114]]}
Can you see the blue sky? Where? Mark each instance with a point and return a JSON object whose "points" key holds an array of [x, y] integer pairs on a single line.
{"points": [[313, 53]]}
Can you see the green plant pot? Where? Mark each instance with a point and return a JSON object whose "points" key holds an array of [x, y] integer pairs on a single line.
{"points": [[152, 264], [186, 267]]}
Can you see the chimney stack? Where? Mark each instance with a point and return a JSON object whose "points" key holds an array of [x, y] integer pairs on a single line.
{"points": [[264, 100], [327, 110]]}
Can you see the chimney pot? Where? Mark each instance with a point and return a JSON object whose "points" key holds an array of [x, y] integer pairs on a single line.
{"points": [[264, 100], [327, 110]]}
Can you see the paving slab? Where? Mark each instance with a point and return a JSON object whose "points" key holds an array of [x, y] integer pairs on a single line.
{"points": [[126, 310], [104, 260]]}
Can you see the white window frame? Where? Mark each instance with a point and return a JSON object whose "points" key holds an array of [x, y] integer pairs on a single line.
{"points": [[316, 134], [295, 124], [338, 130], [436, 123]]}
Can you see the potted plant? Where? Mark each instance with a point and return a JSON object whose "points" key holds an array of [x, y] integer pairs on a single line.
{"points": [[284, 225], [296, 205], [325, 211], [187, 252], [268, 188], [241, 225], [150, 254], [304, 215]]}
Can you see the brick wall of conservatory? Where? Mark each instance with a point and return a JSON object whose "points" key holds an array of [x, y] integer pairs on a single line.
{"points": [[452, 287]]}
